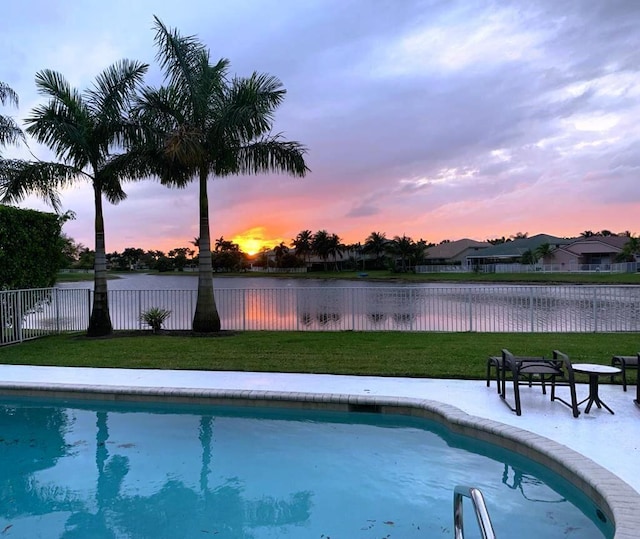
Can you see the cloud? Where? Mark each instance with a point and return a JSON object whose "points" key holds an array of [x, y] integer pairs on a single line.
{"points": [[438, 119]]}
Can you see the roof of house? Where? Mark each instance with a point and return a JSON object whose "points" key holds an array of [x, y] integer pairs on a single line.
{"points": [[617, 242], [453, 248], [516, 248]]}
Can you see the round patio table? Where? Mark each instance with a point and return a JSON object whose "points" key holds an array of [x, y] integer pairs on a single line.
{"points": [[594, 371]]}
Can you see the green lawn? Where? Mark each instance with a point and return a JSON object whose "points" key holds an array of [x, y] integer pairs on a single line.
{"points": [[436, 355]]}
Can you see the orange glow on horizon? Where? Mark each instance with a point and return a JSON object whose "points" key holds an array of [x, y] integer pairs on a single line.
{"points": [[253, 240]]}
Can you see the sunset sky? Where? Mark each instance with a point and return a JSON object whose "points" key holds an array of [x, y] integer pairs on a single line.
{"points": [[438, 119]]}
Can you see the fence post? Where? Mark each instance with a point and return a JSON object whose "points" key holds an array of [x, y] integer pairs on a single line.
{"points": [[89, 293], [595, 310], [353, 309], [18, 313], [531, 313], [244, 310], [57, 300]]}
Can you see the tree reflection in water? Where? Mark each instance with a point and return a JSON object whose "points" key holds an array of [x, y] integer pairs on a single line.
{"points": [[174, 510]]}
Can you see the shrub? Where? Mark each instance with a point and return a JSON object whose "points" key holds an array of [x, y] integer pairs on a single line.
{"points": [[155, 317]]}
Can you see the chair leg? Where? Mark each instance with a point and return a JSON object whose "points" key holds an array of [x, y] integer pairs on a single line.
{"points": [[516, 396], [624, 377]]}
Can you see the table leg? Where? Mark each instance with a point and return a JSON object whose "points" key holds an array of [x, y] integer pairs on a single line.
{"points": [[594, 396]]}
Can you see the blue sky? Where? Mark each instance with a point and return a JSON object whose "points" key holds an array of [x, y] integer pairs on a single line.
{"points": [[435, 119]]}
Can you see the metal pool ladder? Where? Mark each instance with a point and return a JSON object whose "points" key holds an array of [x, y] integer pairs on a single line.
{"points": [[480, 508]]}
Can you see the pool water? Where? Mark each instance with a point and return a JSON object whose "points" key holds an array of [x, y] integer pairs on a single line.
{"points": [[95, 470]]}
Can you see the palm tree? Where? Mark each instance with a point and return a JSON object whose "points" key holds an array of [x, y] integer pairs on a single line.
{"points": [[321, 245], [279, 251], [543, 251], [203, 124], [376, 244], [10, 133], [335, 247], [302, 244], [630, 250], [83, 130], [405, 248]]}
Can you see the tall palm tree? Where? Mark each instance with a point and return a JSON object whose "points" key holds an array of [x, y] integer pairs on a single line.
{"points": [[85, 131], [10, 133], [203, 124]]}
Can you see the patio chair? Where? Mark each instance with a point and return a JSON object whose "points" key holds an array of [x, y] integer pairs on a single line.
{"points": [[624, 363], [539, 371], [497, 364]]}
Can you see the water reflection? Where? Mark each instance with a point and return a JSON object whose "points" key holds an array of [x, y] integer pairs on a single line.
{"points": [[152, 472], [290, 304]]}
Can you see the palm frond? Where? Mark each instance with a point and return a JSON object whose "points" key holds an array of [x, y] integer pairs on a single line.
{"points": [[111, 187], [181, 58], [19, 178], [270, 154], [10, 133], [113, 89], [8, 95], [64, 122], [250, 105]]}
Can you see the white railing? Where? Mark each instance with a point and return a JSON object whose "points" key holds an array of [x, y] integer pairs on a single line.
{"points": [[623, 267], [30, 313]]}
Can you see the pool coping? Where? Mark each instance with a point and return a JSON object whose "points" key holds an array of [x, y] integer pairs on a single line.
{"points": [[617, 499]]}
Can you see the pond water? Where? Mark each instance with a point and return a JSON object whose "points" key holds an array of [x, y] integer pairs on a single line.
{"points": [[268, 303]]}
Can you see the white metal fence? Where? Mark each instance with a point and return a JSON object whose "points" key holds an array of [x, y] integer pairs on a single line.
{"points": [[622, 267], [26, 314]]}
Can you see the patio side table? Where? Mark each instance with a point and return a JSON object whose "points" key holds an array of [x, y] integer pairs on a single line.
{"points": [[594, 371]]}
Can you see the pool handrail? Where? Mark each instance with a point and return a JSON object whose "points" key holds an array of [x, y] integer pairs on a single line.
{"points": [[480, 508]]}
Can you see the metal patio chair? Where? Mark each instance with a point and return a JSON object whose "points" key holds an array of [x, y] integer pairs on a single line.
{"points": [[556, 371], [624, 363]]}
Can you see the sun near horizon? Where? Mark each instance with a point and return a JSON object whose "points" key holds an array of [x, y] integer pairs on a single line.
{"points": [[253, 240]]}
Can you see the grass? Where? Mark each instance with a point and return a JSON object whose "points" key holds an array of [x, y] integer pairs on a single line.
{"points": [[433, 355], [388, 276]]}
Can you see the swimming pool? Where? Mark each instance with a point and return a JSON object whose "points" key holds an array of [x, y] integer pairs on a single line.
{"points": [[98, 469]]}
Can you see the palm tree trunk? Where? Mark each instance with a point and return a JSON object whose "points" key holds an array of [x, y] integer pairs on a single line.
{"points": [[206, 318], [100, 321]]}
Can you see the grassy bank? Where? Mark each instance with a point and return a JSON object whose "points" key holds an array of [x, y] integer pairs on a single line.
{"points": [[388, 276], [436, 355]]}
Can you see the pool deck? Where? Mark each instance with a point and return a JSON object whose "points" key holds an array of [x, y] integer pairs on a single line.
{"points": [[612, 441]]}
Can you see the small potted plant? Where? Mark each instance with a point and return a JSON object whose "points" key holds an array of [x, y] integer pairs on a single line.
{"points": [[155, 317]]}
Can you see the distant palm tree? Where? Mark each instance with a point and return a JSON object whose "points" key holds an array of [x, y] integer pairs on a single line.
{"points": [[376, 244], [203, 124], [334, 248], [303, 244], [83, 130], [630, 250], [403, 247], [528, 257], [321, 245], [543, 251], [10, 133], [587, 234], [279, 251]]}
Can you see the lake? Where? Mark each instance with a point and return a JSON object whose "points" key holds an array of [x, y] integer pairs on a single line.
{"points": [[269, 303]]}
